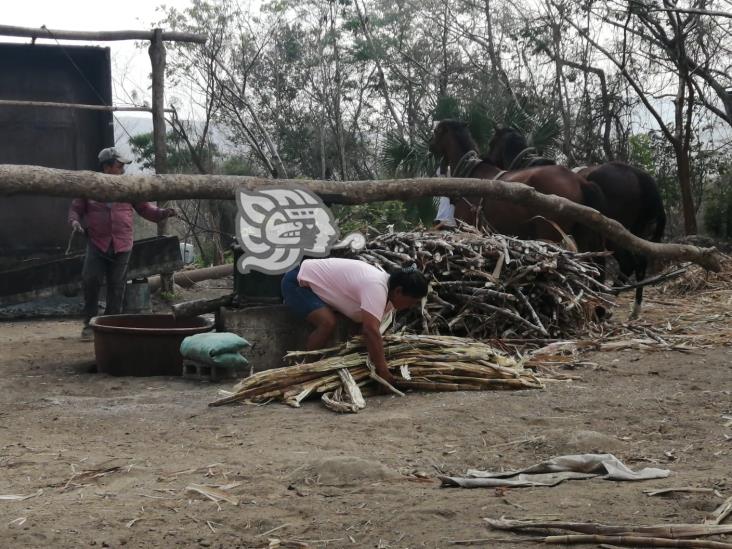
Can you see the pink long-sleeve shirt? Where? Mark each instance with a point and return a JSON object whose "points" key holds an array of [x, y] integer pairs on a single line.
{"points": [[111, 224]]}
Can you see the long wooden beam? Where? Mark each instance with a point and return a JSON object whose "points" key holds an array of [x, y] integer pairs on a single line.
{"points": [[53, 104], [98, 36], [36, 180]]}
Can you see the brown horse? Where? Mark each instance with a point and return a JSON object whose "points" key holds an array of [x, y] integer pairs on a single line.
{"points": [[451, 141], [631, 198]]}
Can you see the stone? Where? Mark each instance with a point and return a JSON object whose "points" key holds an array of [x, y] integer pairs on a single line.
{"points": [[592, 442]]}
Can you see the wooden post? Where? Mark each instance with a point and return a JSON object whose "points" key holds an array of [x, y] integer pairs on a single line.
{"points": [[157, 60]]}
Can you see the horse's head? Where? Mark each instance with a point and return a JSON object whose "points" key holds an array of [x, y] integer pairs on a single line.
{"points": [[504, 146], [450, 140]]}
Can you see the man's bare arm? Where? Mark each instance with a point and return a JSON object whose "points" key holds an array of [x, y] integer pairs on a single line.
{"points": [[375, 345]]}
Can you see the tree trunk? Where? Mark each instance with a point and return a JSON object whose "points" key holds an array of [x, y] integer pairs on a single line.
{"points": [[687, 199], [337, 95], [129, 188], [567, 129], [157, 60]]}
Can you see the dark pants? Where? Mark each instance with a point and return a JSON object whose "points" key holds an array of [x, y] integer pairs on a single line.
{"points": [[98, 267], [302, 301]]}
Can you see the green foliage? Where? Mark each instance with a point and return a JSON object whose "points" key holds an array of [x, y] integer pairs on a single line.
{"points": [[544, 133], [652, 154], [640, 152], [480, 123], [237, 165], [169, 297], [718, 212], [400, 159], [179, 155], [447, 107], [143, 150], [380, 216]]}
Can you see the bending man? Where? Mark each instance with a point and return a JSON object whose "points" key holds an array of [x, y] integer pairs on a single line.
{"points": [[362, 292]]}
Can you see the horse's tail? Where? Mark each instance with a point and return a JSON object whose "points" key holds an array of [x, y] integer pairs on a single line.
{"points": [[593, 196], [653, 205]]}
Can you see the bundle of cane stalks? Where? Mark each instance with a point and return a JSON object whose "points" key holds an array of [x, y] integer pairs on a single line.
{"points": [[494, 286], [343, 375]]}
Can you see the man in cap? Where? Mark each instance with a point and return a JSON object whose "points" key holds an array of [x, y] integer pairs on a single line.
{"points": [[109, 227]]}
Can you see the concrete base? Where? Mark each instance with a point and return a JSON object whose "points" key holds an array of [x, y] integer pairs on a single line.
{"points": [[272, 330]]}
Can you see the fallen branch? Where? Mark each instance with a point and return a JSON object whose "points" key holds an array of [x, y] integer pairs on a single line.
{"points": [[671, 531], [16, 180], [663, 277], [663, 491], [720, 513], [636, 541]]}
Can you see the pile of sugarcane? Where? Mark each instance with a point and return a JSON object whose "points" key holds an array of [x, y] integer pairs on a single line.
{"points": [[343, 375], [494, 286]]}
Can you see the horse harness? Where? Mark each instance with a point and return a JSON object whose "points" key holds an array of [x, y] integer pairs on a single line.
{"points": [[465, 168]]}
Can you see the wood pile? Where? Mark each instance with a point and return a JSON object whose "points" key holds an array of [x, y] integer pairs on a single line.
{"points": [[488, 286], [343, 376]]}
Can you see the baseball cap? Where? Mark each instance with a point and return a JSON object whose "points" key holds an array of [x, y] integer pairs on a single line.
{"points": [[109, 154]]}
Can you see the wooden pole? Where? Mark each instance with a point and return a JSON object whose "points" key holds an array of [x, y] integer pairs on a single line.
{"points": [[157, 60], [189, 309], [129, 188], [52, 104], [102, 36]]}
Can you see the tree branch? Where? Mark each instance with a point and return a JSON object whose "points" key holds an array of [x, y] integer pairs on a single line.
{"points": [[36, 180], [384, 86]]}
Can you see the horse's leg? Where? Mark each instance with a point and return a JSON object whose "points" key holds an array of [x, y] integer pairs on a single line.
{"points": [[641, 265]]}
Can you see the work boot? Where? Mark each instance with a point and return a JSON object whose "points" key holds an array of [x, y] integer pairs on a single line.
{"points": [[86, 333]]}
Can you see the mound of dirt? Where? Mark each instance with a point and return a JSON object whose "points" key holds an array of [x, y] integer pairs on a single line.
{"points": [[342, 471], [583, 442]]}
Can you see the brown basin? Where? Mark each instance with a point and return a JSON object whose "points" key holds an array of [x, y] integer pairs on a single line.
{"points": [[143, 345]]}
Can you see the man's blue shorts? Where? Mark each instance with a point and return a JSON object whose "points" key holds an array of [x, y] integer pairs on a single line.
{"points": [[302, 301]]}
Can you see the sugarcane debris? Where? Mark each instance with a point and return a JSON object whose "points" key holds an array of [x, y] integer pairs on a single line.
{"points": [[494, 286], [660, 535], [695, 279], [342, 377]]}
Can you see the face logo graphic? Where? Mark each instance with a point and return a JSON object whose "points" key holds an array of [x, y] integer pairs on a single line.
{"points": [[276, 227]]}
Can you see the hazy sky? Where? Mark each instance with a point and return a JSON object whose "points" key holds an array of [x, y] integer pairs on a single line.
{"points": [[130, 65]]}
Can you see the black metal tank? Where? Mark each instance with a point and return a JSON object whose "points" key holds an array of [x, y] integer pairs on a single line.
{"points": [[36, 226]]}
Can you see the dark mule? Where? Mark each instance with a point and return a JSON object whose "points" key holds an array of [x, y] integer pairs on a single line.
{"points": [[631, 198], [452, 142]]}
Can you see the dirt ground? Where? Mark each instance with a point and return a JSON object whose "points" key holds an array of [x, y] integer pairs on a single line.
{"points": [[107, 460]]}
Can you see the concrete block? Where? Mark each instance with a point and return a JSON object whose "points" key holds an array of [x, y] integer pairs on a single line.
{"points": [[272, 331], [193, 369]]}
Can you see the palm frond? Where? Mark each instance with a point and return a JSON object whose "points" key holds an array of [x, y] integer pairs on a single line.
{"points": [[545, 133], [400, 159]]}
